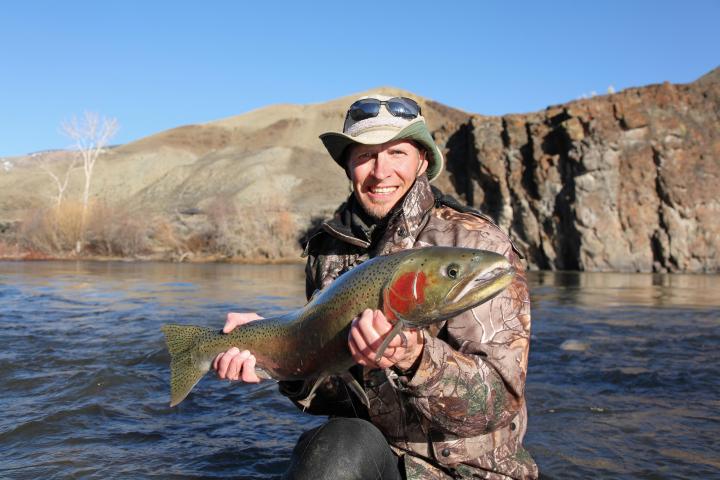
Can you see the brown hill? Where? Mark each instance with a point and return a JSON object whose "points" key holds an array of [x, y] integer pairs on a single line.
{"points": [[617, 182]]}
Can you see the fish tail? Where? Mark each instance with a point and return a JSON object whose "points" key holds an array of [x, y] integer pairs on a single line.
{"points": [[186, 366]]}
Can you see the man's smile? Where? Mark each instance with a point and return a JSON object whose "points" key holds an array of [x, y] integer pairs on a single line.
{"points": [[382, 190]]}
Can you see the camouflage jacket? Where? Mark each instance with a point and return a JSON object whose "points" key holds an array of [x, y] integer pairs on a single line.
{"points": [[462, 413]]}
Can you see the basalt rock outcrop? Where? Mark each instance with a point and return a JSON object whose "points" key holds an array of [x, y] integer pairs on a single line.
{"points": [[622, 182]]}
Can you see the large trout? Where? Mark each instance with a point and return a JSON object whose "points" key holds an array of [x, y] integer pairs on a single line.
{"points": [[413, 288]]}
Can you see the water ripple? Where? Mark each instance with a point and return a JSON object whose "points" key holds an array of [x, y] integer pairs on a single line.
{"points": [[622, 381]]}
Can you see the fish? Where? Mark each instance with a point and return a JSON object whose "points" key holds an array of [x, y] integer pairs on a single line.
{"points": [[414, 288]]}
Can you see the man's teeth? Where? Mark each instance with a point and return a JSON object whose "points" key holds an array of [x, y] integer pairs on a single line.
{"points": [[383, 189]]}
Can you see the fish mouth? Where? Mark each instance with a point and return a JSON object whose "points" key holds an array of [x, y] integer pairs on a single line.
{"points": [[497, 276]]}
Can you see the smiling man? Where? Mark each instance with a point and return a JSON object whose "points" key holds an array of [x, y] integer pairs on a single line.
{"points": [[443, 403], [383, 174]]}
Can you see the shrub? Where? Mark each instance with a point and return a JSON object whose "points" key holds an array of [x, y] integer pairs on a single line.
{"points": [[110, 231], [51, 230], [116, 231], [265, 231]]}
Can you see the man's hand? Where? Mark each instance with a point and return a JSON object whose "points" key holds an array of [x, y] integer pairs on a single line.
{"points": [[367, 332], [235, 364]]}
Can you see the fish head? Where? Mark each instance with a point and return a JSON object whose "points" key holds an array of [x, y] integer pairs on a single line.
{"points": [[436, 283]]}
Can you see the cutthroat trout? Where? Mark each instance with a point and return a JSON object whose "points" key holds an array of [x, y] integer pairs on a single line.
{"points": [[413, 288]]}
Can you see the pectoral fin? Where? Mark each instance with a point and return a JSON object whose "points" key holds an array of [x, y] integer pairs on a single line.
{"points": [[356, 388], [349, 380], [305, 402]]}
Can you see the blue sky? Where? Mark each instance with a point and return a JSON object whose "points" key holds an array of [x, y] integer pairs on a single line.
{"points": [[157, 65]]}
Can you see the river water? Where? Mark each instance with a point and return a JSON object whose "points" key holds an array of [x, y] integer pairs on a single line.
{"points": [[623, 378]]}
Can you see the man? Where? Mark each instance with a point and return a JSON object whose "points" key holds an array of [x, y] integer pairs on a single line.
{"points": [[444, 403]]}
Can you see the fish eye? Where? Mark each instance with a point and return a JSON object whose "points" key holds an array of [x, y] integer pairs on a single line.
{"points": [[452, 270]]}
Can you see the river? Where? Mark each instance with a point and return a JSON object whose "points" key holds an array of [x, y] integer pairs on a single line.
{"points": [[622, 384]]}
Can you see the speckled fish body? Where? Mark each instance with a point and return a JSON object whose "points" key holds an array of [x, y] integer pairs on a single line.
{"points": [[414, 288]]}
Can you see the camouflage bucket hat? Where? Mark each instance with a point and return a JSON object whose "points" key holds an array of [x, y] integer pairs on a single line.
{"points": [[381, 128]]}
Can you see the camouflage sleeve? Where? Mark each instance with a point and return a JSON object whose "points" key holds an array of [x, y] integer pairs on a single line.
{"points": [[473, 382], [310, 285]]}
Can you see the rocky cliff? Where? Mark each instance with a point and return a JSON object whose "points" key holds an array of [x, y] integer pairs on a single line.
{"points": [[622, 182]]}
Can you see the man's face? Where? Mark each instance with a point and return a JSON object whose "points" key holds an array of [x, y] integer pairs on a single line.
{"points": [[382, 174]]}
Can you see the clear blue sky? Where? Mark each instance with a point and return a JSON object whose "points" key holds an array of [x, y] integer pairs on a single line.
{"points": [[155, 65]]}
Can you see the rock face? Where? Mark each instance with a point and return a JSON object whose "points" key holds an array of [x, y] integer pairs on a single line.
{"points": [[623, 182]]}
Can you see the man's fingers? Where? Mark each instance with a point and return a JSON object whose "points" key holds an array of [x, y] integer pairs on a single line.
{"points": [[224, 361], [237, 365], [244, 317], [229, 326], [372, 338], [380, 323], [233, 370], [231, 365], [235, 319], [358, 340], [216, 360], [248, 370], [382, 326], [367, 333]]}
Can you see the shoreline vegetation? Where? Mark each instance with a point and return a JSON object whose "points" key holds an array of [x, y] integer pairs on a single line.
{"points": [[11, 255], [220, 233]]}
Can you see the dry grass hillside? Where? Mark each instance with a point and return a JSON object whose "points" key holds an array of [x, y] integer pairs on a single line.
{"points": [[244, 187]]}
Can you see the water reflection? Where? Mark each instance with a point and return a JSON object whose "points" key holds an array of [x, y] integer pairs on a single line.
{"points": [[119, 285], [598, 290]]}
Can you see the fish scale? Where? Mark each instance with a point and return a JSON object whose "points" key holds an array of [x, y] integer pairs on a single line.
{"points": [[312, 341]]}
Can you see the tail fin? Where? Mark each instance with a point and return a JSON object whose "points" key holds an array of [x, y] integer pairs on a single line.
{"points": [[186, 369]]}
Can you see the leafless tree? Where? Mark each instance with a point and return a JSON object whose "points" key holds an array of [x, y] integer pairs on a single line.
{"points": [[91, 135], [60, 178]]}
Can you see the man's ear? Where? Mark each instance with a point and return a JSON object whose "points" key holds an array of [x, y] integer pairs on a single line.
{"points": [[423, 164]]}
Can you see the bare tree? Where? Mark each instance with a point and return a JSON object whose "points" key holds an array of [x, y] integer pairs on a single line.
{"points": [[61, 179], [91, 134]]}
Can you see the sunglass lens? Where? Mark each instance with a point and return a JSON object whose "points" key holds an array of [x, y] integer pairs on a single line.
{"points": [[403, 107], [363, 109]]}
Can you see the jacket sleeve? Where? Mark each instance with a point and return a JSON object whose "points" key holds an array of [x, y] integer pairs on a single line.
{"points": [[471, 380]]}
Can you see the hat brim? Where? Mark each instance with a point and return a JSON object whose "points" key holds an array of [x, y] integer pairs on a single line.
{"points": [[337, 143]]}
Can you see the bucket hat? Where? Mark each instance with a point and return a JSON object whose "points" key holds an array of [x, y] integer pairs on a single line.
{"points": [[383, 128]]}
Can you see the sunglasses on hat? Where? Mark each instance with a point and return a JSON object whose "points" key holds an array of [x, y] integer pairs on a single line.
{"points": [[397, 106]]}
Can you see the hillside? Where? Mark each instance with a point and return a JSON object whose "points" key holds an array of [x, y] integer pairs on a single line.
{"points": [[616, 182]]}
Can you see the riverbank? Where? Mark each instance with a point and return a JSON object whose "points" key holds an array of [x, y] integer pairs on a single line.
{"points": [[15, 254]]}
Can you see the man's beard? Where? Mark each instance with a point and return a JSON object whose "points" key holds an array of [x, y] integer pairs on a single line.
{"points": [[378, 213]]}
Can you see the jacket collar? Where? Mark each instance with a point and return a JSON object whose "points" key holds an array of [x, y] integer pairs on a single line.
{"points": [[352, 225]]}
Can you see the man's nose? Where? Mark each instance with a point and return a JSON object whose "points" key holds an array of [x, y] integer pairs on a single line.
{"points": [[383, 165]]}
